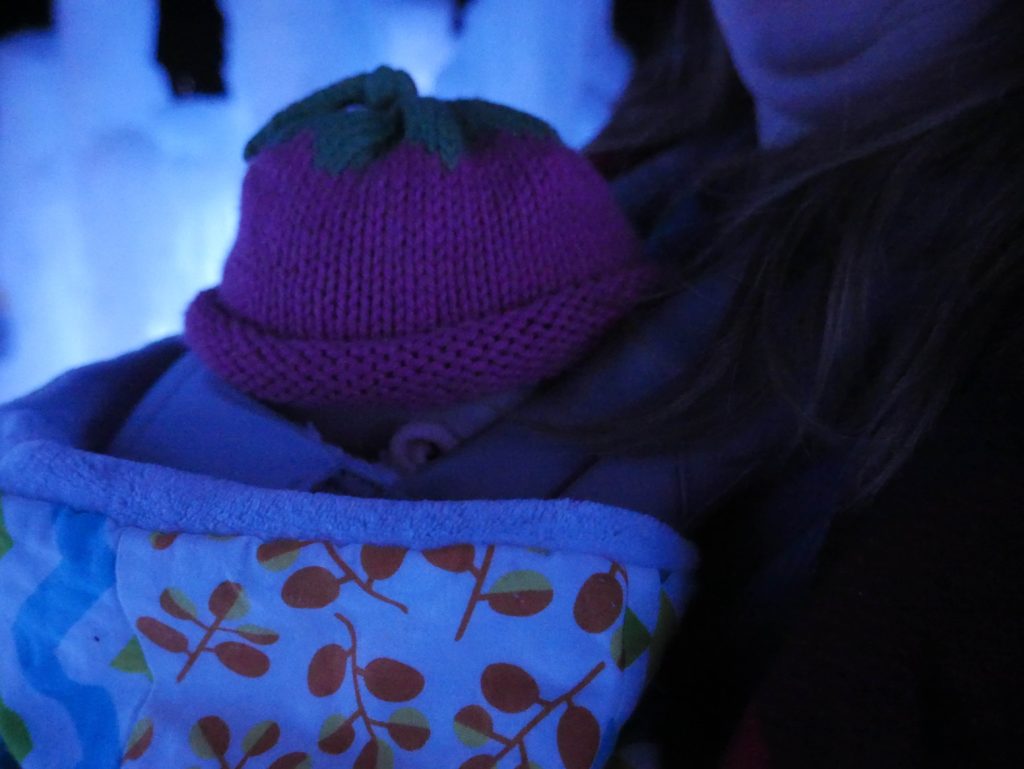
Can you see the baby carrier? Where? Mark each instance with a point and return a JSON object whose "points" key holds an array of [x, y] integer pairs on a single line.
{"points": [[151, 617]]}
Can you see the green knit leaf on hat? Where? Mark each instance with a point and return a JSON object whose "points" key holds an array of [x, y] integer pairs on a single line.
{"points": [[366, 90], [345, 140], [480, 119], [432, 124], [361, 119]]}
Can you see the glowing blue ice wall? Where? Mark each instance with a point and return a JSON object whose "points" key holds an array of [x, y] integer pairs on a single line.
{"points": [[118, 203]]}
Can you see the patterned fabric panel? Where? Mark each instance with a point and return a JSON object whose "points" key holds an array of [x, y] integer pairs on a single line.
{"points": [[303, 653], [67, 688], [153, 650]]}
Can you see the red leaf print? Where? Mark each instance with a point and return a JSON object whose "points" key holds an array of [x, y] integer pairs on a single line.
{"points": [[261, 738], [242, 659], [327, 670], [579, 736], [518, 604], [408, 737], [227, 599], [216, 734], [368, 756], [392, 681], [598, 604], [258, 635], [474, 726], [520, 594], [454, 558], [177, 604], [162, 541], [162, 635], [381, 562], [336, 736], [375, 755], [139, 741], [509, 688], [297, 760], [480, 762], [310, 588], [271, 550], [409, 728]]}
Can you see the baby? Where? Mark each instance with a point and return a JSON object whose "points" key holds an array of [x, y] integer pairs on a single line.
{"points": [[407, 268]]}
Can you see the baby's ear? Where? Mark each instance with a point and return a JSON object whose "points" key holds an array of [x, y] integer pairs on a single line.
{"points": [[416, 443]]}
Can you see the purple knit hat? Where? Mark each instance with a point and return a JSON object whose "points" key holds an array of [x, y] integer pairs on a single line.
{"points": [[406, 251]]}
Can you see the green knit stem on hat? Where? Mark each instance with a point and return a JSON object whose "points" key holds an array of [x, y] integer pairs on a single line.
{"points": [[360, 119]]}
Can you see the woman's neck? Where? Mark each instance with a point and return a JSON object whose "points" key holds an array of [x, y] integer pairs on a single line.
{"points": [[813, 66]]}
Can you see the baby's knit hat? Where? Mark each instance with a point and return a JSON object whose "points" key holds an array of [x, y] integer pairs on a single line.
{"points": [[407, 251]]}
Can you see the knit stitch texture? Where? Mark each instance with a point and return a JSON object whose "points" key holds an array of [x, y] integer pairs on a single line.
{"points": [[413, 281]]}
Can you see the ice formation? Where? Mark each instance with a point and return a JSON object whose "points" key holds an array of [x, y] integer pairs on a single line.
{"points": [[117, 202]]}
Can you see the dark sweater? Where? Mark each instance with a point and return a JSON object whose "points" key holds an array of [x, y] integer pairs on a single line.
{"points": [[910, 652]]}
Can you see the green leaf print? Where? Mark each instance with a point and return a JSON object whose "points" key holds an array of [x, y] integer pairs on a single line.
{"points": [[177, 604], [6, 543], [257, 635], [139, 741], [131, 659], [210, 737], [337, 734], [279, 555], [630, 640], [409, 728], [376, 754], [14, 733], [520, 594], [473, 726], [261, 738], [664, 628], [228, 601]]}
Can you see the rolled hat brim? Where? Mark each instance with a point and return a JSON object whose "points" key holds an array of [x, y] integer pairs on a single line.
{"points": [[458, 363]]}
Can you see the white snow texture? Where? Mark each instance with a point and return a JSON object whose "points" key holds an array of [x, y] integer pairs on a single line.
{"points": [[118, 203]]}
